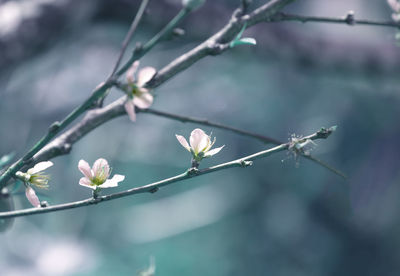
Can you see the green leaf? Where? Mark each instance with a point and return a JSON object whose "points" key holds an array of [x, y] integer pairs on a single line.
{"points": [[242, 41], [245, 41]]}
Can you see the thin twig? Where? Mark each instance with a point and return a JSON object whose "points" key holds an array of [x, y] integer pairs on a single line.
{"points": [[153, 187], [129, 35], [349, 20], [140, 51], [205, 122]]}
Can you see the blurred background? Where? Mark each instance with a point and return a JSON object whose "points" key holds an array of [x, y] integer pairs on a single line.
{"points": [[274, 218]]}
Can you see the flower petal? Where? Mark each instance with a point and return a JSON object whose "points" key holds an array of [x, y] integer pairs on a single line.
{"points": [[130, 109], [32, 197], [198, 140], [143, 101], [101, 168], [394, 4], [84, 167], [183, 141], [213, 151], [130, 75], [113, 182], [145, 74], [86, 183], [41, 166]]}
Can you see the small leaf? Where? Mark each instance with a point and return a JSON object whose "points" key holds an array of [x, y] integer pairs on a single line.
{"points": [[243, 41], [5, 159]]}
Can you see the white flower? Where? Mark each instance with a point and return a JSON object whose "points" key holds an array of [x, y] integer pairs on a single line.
{"points": [[395, 6], [138, 95], [200, 144], [34, 176], [97, 176]]}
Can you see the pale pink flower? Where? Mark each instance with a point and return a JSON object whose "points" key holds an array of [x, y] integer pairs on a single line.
{"points": [[97, 176], [32, 197], [200, 144], [138, 95], [395, 6]]}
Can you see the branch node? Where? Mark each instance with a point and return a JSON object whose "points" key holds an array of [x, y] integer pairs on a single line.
{"points": [[350, 20], [245, 6], [244, 163], [66, 148], [54, 126], [138, 48], [154, 190], [325, 132], [44, 204], [178, 32], [192, 172], [217, 48]]}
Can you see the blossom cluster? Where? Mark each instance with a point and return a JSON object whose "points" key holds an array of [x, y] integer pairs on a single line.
{"points": [[97, 177]]}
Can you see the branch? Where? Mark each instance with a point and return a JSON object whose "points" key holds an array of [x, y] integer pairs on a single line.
{"points": [[218, 43], [225, 35], [349, 20], [154, 187], [213, 46], [53, 130], [94, 118], [140, 51], [205, 122], [129, 35]]}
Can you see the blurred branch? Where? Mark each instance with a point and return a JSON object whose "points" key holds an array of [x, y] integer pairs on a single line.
{"points": [[349, 19], [243, 162], [129, 35]]}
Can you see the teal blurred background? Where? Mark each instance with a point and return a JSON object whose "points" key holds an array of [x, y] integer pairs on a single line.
{"points": [[274, 218]]}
